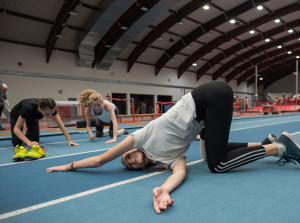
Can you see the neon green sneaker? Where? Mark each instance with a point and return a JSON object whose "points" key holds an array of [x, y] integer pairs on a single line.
{"points": [[36, 152], [20, 152]]}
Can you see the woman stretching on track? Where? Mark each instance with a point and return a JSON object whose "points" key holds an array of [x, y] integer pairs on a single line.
{"points": [[105, 112], [29, 111], [165, 140]]}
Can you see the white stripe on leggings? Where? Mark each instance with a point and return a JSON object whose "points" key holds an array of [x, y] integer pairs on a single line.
{"points": [[238, 161]]}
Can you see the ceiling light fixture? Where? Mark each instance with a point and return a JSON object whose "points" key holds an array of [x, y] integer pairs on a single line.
{"points": [[260, 7], [279, 47], [267, 40], [73, 13], [181, 23], [277, 20], [194, 64], [289, 52], [261, 78], [124, 27], [297, 57], [290, 30], [144, 8], [205, 7], [232, 21], [251, 32]]}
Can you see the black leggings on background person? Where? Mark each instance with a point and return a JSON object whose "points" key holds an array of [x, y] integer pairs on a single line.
{"points": [[100, 126]]}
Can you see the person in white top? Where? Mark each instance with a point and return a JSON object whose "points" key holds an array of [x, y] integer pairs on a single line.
{"points": [[164, 141], [105, 113]]}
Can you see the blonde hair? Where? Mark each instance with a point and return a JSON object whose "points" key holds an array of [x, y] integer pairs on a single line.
{"points": [[88, 96]]}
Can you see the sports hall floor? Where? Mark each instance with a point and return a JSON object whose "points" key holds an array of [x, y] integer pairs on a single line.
{"points": [[261, 191]]}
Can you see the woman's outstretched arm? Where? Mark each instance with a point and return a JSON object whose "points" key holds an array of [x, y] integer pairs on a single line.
{"points": [[97, 161], [161, 195]]}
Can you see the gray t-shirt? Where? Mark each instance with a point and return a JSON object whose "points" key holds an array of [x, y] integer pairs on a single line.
{"points": [[167, 139], [105, 115]]}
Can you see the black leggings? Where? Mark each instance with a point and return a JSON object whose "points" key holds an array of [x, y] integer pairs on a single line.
{"points": [[32, 133], [100, 126], [214, 105]]}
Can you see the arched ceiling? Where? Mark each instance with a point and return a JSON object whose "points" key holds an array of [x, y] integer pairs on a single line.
{"points": [[181, 35]]}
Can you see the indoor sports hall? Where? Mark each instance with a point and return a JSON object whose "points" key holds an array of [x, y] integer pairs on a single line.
{"points": [[149, 111]]}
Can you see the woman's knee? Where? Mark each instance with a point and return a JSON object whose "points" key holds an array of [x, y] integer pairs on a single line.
{"points": [[99, 134]]}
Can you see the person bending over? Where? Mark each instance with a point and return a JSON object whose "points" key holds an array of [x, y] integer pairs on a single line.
{"points": [[104, 111], [29, 111], [164, 141]]}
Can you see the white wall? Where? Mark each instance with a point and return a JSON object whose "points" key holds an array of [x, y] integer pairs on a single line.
{"points": [[285, 85], [64, 64]]}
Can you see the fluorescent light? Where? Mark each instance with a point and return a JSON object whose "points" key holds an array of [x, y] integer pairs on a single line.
{"points": [[261, 78], [267, 40], [73, 13], [205, 7], [297, 57], [277, 20], [144, 9], [290, 30], [251, 31], [260, 7], [59, 36], [289, 52], [232, 21], [195, 65], [279, 47]]}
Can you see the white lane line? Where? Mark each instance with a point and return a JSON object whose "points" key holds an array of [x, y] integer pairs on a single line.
{"points": [[52, 157], [82, 194], [257, 126], [49, 143], [262, 120]]}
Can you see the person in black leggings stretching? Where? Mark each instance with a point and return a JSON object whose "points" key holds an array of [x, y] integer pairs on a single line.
{"points": [[29, 111], [165, 140]]}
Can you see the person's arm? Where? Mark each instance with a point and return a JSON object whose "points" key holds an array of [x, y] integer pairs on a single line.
{"points": [[4, 87], [161, 195], [114, 121], [62, 127], [88, 116], [18, 132], [97, 161]]}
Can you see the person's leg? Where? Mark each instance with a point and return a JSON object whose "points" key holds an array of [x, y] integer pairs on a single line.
{"points": [[6, 110], [99, 128], [1, 109], [120, 131], [214, 105], [33, 130], [14, 139]]}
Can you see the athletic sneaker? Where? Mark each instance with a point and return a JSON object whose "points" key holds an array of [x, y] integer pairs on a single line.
{"points": [[270, 139], [292, 149], [20, 152], [36, 152]]}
